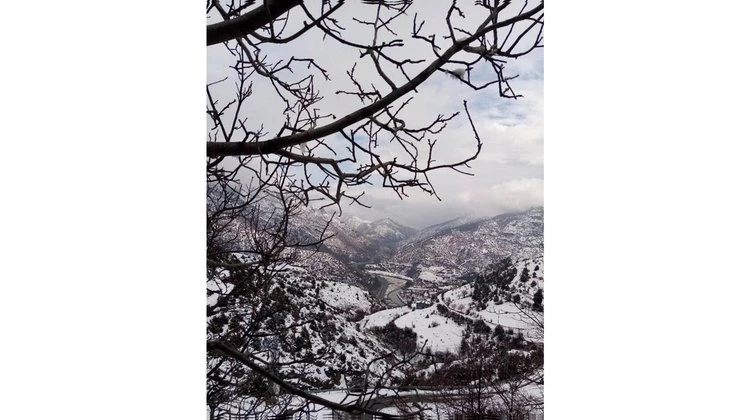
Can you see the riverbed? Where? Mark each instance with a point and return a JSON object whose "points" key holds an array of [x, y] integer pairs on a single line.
{"points": [[389, 290]]}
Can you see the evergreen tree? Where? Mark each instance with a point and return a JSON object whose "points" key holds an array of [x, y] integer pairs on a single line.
{"points": [[538, 298], [524, 275]]}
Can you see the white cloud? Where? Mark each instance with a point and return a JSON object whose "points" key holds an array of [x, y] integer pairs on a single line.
{"points": [[518, 194]]}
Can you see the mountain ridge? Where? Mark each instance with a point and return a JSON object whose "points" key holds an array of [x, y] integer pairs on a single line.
{"points": [[463, 244]]}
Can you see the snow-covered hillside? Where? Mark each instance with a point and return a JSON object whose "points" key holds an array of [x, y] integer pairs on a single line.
{"points": [[311, 319], [508, 300], [307, 326], [474, 245], [384, 231], [436, 332], [345, 297], [349, 236], [499, 307], [441, 252], [381, 318]]}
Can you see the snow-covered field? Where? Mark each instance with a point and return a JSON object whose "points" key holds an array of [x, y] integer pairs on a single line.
{"points": [[381, 318], [458, 293], [439, 333], [506, 314], [509, 316]]}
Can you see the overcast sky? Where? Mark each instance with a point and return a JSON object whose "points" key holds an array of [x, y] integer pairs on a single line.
{"points": [[508, 174]]}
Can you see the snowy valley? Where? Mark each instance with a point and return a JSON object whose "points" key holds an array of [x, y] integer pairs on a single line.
{"points": [[380, 311]]}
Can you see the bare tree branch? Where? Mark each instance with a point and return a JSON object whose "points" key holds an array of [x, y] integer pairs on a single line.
{"points": [[251, 21], [356, 409], [271, 146]]}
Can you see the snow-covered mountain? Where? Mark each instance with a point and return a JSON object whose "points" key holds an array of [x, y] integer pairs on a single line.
{"points": [[349, 237], [451, 249], [435, 229], [474, 245], [477, 284], [384, 231]]}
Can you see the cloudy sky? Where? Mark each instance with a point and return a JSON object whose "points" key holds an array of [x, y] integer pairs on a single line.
{"points": [[509, 172]]}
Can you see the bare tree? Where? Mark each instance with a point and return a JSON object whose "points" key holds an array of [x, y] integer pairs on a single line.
{"points": [[331, 153], [282, 141], [519, 397]]}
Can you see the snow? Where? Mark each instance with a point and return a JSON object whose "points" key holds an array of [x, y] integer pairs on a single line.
{"points": [[442, 259], [440, 333], [432, 409], [458, 293], [461, 305], [506, 314], [354, 221], [473, 246], [429, 370], [381, 318], [429, 276], [345, 296]]}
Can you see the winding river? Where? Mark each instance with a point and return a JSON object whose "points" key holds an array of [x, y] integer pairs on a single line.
{"points": [[389, 290]]}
